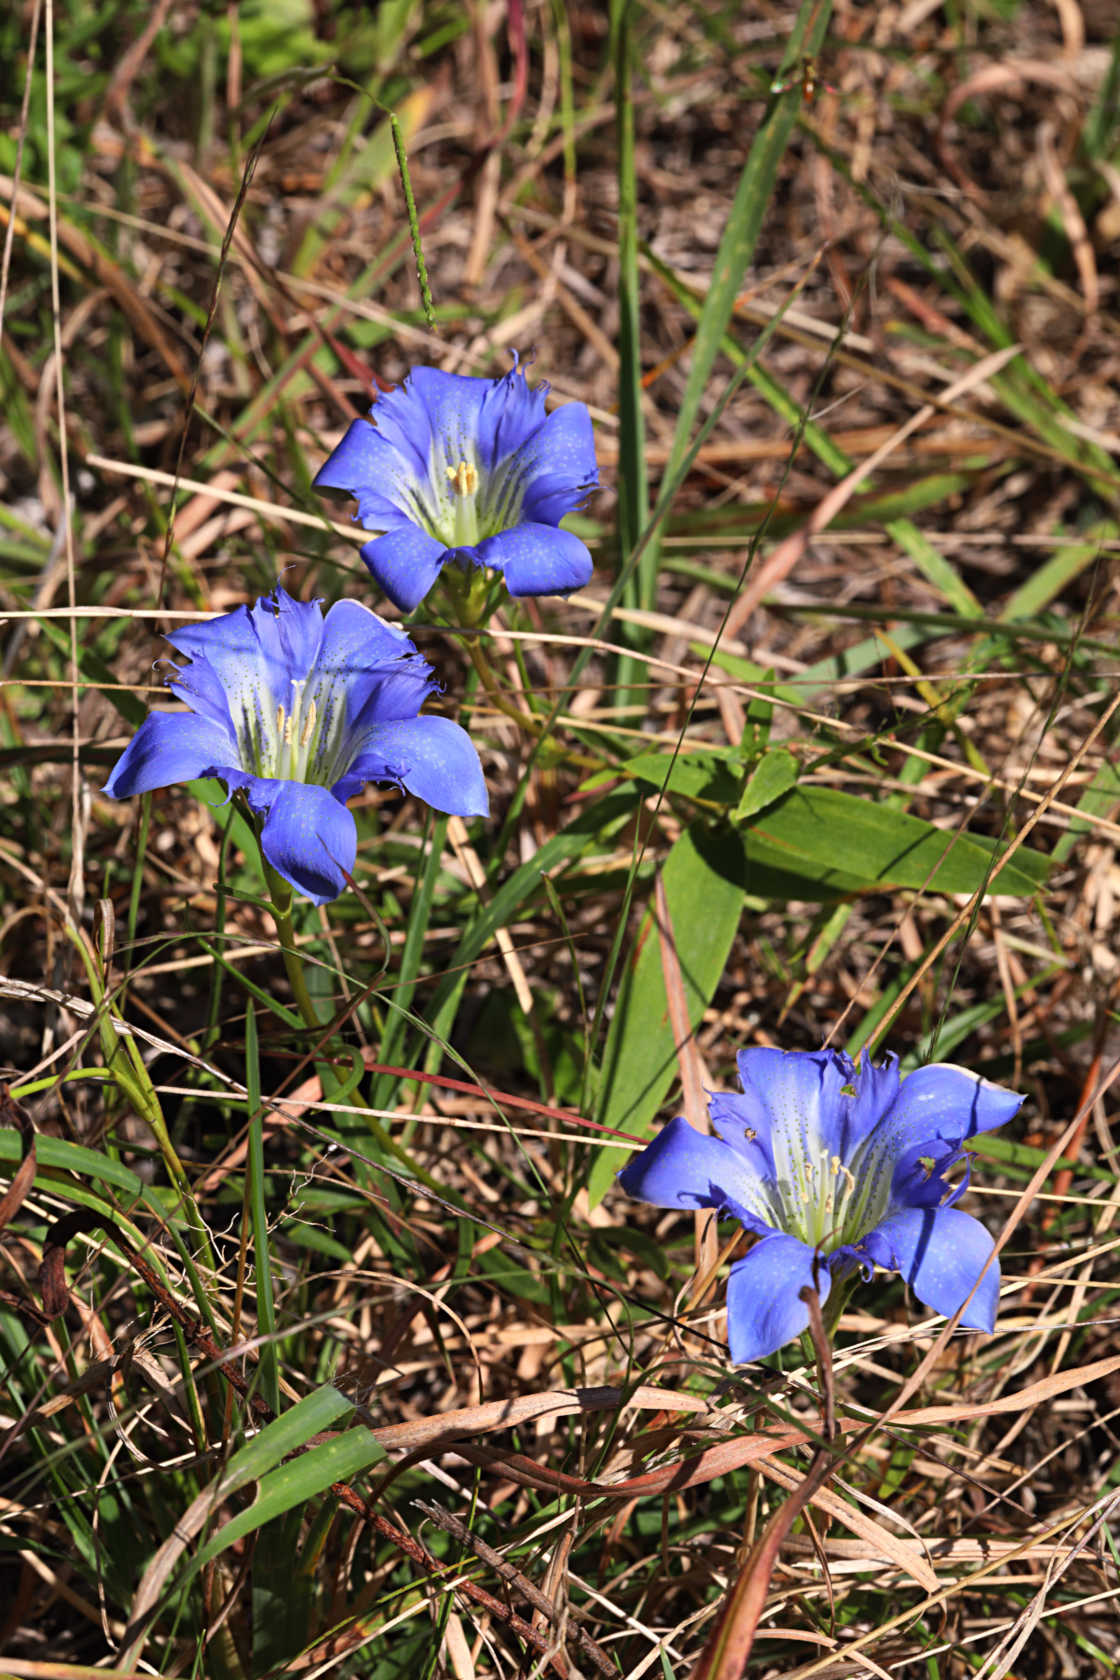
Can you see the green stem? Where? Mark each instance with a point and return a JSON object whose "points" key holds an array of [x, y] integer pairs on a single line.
{"points": [[489, 680]]}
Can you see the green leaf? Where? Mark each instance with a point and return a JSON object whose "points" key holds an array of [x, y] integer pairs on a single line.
{"points": [[836, 843], [292, 1485], [284, 1435], [690, 775], [703, 881], [772, 776]]}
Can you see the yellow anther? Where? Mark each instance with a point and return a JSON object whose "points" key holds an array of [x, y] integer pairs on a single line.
{"points": [[281, 723], [309, 724], [463, 479]]}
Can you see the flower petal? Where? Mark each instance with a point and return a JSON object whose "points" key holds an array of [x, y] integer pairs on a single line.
{"points": [[432, 757], [355, 459], [558, 464], [537, 559], [354, 638], [406, 563], [433, 418], [290, 633], [791, 1101], [169, 747], [310, 839], [684, 1168], [764, 1305], [511, 412], [256, 653], [387, 485], [944, 1101], [941, 1253], [937, 1109], [198, 685], [368, 668]]}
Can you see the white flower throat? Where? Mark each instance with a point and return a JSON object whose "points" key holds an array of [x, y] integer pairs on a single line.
{"points": [[296, 742], [820, 1197], [461, 504]]}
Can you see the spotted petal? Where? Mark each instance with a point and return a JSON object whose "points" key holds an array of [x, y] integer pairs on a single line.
{"points": [[764, 1305], [432, 757], [406, 563], [169, 747], [310, 839], [538, 559], [941, 1253], [684, 1168]]}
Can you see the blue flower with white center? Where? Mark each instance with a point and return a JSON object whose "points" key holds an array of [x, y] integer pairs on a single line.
{"points": [[471, 471], [835, 1167], [298, 711]]}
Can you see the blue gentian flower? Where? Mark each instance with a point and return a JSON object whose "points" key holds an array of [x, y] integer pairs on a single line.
{"points": [[472, 471], [297, 711], [835, 1167]]}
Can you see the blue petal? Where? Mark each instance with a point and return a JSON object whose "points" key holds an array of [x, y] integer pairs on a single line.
{"points": [[940, 1252], [537, 560], [406, 563], [355, 638], [230, 636], [919, 1175], [387, 484], [764, 1305], [392, 694], [684, 1168], [311, 840], [169, 747], [944, 1101], [434, 416], [791, 1100], [559, 464], [199, 686], [876, 1088], [290, 632], [432, 757], [937, 1109], [260, 792], [354, 460], [370, 667], [510, 413], [256, 652]]}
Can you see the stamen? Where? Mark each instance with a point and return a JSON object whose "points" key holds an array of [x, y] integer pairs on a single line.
{"points": [[463, 478], [309, 725], [281, 723]]}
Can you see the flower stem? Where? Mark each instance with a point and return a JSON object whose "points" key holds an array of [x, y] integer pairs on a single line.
{"points": [[489, 680]]}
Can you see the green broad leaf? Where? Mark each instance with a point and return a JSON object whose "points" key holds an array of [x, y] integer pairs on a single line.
{"points": [[837, 842], [772, 776], [704, 888], [692, 775], [1099, 798], [291, 1486]]}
